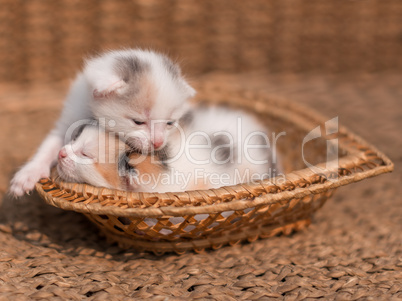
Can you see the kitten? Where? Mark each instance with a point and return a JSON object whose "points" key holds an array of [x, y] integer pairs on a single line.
{"points": [[101, 159], [218, 146], [135, 92], [187, 163]]}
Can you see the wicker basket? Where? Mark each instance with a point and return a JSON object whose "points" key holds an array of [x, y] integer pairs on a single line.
{"points": [[195, 220]]}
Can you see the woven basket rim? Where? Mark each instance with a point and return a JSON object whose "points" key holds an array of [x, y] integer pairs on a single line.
{"points": [[237, 197]]}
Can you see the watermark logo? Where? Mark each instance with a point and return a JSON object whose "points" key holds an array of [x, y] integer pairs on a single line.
{"points": [[208, 156], [223, 147], [331, 163]]}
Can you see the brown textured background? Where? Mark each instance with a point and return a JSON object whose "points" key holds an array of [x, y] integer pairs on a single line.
{"points": [[341, 57], [44, 40]]}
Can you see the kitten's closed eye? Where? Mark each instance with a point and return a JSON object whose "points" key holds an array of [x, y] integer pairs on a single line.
{"points": [[86, 154], [137, 122]]}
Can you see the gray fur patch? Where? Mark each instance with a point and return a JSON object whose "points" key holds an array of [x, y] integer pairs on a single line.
{"points": [[78, 131], [187, 118], [162, 156], [224, 151], [129, 67], [124, 167]]}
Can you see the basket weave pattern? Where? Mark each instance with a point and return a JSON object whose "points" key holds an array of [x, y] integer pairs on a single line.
{"points": [[196, 220]]}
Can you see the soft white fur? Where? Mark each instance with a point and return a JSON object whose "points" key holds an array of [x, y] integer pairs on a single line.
{"points": [[99, 78], [211, 172]]}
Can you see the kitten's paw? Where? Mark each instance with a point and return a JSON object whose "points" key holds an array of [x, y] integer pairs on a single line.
{"points": [[24, 180], [113, 89]]}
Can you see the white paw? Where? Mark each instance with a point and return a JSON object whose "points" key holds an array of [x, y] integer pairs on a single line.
{"points": [[24, 180], [115, 88]]}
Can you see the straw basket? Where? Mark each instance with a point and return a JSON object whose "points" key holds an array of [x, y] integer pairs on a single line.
{"points": [[196, 220]]}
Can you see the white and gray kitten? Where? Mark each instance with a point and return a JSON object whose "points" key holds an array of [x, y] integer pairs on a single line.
{"points": [[219, 146], [137, 93]]}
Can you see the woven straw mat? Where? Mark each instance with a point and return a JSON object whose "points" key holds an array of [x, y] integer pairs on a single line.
{"points": [[351, 251]]}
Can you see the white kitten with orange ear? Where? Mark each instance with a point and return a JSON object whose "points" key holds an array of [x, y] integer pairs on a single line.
{"points": [[134, 92], [102, 159]]}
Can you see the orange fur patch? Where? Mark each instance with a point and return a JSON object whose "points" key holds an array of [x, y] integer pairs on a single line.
{"points": [[108, 167], [147, 165], [145, 99], [108, 164]]}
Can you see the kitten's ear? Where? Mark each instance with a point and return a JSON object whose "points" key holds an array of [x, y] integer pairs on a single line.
{"points": [[190, 91], [108, 90], [101, 76]]}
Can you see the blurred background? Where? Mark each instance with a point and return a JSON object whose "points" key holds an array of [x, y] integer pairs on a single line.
{"points": [[343, 58], [46, 40]]}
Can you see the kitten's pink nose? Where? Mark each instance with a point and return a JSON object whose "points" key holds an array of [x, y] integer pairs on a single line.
{"points": [[157, 143], [62, 153]]}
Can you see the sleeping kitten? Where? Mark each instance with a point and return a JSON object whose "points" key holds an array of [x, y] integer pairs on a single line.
{"points": [[101, 159], [187, 163], [135, 92]]}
